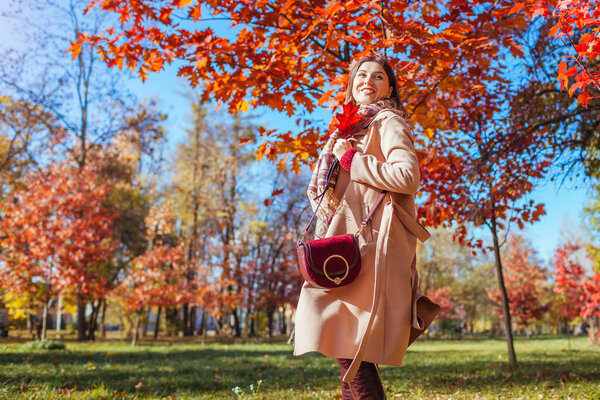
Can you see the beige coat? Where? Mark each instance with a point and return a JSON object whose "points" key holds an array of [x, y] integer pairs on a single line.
{"points": [[340, 322]]}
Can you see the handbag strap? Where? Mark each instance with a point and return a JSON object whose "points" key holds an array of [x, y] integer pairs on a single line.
{"points": [[322, 195], [368, 217]]}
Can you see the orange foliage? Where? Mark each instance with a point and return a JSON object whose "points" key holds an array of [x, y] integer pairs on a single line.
{"points": [[449, 59], [57, 233], [580, 291], [293, 58], [525, 283], [569, 276], [156, 278]]}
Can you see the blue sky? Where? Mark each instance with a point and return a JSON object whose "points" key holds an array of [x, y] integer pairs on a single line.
{"points": [[564, 203]]}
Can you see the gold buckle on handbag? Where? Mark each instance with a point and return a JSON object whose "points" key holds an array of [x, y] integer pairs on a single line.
{"points": [[336, 280]]}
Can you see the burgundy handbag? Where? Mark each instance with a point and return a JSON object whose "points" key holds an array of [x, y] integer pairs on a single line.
{"points": [[334, 261]]}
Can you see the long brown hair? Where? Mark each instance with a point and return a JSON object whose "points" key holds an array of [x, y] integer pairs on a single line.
{"points": [[388, 71]]}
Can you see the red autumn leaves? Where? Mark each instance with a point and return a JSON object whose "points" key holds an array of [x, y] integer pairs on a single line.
{"points": [[346, 120], [57, 233], [576, 23]]}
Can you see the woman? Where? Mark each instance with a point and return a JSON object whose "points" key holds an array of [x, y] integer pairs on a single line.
{"points": [[376, 317]]}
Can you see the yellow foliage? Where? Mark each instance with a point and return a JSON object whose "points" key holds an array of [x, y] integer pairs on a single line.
{"points": [[243, 106], [19, 304], [69, 304]]}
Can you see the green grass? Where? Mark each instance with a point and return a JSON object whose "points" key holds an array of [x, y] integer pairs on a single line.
{"points": [[468, 369]]}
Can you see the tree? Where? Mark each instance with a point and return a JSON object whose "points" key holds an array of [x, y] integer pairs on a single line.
{"points": [[481, 179], [131, 165], [56, 234], [592, 212], [86, 100], [569, 276], [576, 23], [591, 286], [526, 283], [591, 307], [272, 281], [443, 263], [442, 298], [537, 103], [208, 186], [27, 131], [157, 279], [292, 58], [579, 289]]}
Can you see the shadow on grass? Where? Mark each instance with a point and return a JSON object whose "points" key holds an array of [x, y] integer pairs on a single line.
{"points": [[164, 371]]}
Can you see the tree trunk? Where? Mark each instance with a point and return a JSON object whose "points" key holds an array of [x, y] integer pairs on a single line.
{"points": [[144, 322], [217, 326], [59, 316], [505, 303], [44, 320], [29, 323], [192, 320], [121, 323], [565, 328], [236, 323], [270, 322], [81, 322], [185, 310], [171, 320], [202, 328], [136, 329], [282, 322], [157, 323], [593, 329], [252, 330], [103, 320], [92, 324]]}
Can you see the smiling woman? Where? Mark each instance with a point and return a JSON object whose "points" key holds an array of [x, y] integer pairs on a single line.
{"points": [[377, 316], [371, 83]]}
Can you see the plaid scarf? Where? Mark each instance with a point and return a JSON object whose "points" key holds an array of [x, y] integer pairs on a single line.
{"points": [[319, 185]]}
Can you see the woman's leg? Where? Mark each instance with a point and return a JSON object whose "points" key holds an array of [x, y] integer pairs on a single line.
{"points": [[366, 384]]}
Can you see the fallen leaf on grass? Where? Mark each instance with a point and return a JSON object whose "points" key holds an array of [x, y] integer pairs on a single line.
{"points": [[470, 378]]}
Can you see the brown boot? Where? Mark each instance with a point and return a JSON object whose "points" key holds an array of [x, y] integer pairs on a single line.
{"points": [[366, 384], [346, 391]]}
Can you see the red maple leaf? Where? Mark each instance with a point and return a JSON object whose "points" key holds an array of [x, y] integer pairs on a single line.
{"points": [[347, 119]]}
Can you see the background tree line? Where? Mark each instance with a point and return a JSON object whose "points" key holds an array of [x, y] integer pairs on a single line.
{"points": [[188, 235]]}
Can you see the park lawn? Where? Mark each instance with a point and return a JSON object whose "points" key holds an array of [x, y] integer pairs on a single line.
{"points": [[549, 368]]}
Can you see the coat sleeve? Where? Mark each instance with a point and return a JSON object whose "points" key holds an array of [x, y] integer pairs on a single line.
{"points": [[400, 171]]}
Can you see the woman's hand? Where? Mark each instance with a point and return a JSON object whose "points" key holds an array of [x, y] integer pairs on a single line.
{"points": [[340, 147]]}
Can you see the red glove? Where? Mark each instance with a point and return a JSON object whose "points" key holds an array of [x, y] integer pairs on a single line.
{"points": [[346, 160]]}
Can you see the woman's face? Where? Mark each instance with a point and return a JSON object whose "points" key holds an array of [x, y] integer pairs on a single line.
{"points": [[370, 83]]}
